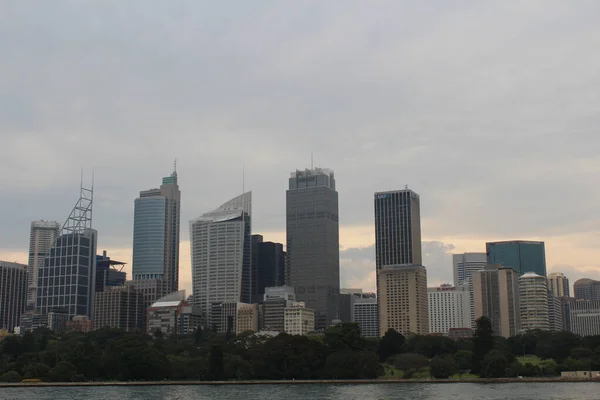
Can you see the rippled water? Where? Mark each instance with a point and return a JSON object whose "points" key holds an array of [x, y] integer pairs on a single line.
{"points": [[458, 391]]}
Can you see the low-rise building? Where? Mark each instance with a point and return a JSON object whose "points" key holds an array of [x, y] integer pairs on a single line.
{"points": [[120, 307], [275, 301], [79, 323], [173, 315], [299, 320]]}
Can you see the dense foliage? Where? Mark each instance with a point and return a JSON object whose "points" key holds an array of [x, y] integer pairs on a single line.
{"points": [[340, 353]]}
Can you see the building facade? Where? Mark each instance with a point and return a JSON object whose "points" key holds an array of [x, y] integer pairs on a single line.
{"points": [[220, 243], [42, 236], [582, 317], [156, 227], [268, 266], [109, 272], [533, 302], [464, 264], [79, 323], [403, 299], [299, 320], [521, 255], [496, 296], [120, 307], [312, 242], [173, 315], [558, 284], [449, 308], [13, 294], [275, 301], [247, 318], [587, 289], [365, 314]]}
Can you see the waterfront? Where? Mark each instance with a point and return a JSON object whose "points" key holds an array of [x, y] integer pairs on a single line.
{"points": [[392, 391]]}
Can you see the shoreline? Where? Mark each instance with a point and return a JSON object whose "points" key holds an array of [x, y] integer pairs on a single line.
{"points": [[299, 382]]}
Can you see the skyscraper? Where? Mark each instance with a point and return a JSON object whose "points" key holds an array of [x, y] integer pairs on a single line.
{"points": [[464, 264], [42, 237], [521, 255], [268, 266], [558, 284], [67, 277], [13, 285], [156, 234], [533, 302], [397, 228], [587, 289], [313, 246], [221, 255]]}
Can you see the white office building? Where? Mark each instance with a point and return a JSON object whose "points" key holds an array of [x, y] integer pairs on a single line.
{"points": [[463, 266], [299, 320], [449, 308], [533, 302], [364, 312]]}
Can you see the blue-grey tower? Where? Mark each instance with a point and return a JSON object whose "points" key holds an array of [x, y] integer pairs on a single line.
{"points": [[521, 255]]}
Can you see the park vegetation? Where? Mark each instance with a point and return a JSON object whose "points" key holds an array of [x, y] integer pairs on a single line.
{"points": [[339, 353]]}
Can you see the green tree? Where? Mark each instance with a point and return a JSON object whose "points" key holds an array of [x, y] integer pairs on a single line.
{"points": [[408, 361], [62, 372], [352, 364], [10, 376], [344, 337], [463, 359], [390, 344], [442, 367], [36, 370], [494, 365], [483, 342], [581, 353], [215, 363]]}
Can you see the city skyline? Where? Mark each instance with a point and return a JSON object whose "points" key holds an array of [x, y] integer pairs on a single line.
{"points": [[241, 101]]}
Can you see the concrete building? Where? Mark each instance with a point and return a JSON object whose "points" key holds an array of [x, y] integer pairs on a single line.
{"points": [[582, 317], [403, 299], [533, 302], [449, 308], [496, 296], [54, 320], [172, 315], [13, 294], [365, 313], [247, 318], [558, 284], [120, 307], [298, 319], [234, 317], [109, 272], [587, 289], [156, 227], [268, 266], [521, 255], [464, 264], [79, 323], [275, 301], [42, 236], [221, 255], [555, 312], [312, 233]]}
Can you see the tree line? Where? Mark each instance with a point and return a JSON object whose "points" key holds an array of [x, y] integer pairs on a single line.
{"points": [[340, 353]]}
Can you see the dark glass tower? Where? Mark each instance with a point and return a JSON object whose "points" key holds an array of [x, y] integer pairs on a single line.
{"points": [[521, 255], [313, 248], [268, 266]]}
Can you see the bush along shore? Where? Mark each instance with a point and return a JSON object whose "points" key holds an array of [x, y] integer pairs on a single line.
{"points": [[340, 353]]}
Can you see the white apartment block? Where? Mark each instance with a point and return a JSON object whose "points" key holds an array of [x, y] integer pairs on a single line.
{"points": [[299, 320], [449, 307]]}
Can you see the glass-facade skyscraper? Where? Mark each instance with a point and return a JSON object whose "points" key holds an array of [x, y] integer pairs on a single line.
{"points": [[521, 255], [313, 246], [268, 266], [156, 234], [42, 237]]}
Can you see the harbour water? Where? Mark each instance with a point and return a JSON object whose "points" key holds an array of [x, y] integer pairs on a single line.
{"points": [[393, 391]]}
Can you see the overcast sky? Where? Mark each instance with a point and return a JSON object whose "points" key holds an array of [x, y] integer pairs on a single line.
{"points": [[489, 110]]}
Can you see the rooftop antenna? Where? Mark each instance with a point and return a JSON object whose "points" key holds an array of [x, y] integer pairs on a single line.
{"points": [[175, 165], [311, 160], [243, 177]]}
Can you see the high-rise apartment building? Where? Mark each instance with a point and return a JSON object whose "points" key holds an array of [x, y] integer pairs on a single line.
{"points": [[120, 307], [558, 284], [397, 228], [521, 255], [13, 294], [449, 308], [312, 228], [42, 236], [268, 266], [587, 289], [67, 277], [156, 234], [220, 244], [464, 264], [365, 314], [533, 302], [403, 299], [496, 296]]}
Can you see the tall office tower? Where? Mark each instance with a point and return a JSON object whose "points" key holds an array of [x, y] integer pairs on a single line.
{"points": [[558, 284], [533, 302], [120, 307], [268, 266], [587, 289], [313, 245], [521, 255], [13, 294], [397, 228], [582, 317], [42, 237], [67, 277], [449, 308], [496, 296], [464, 264], [156, 234], [220, 244], [403, 299]]}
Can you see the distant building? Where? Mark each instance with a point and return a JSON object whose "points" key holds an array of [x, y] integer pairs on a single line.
{"points": [[13, 293], [460, 333], [521, 255], [234, 317], [109, 272], [464, 264], [298, 319], [42, 236], [55, 320], [555, 312], [312, 234], [449, 308], [120, 307], [268, 266], [582, 317], [79, 323], [558, 284], [496, 296], [403, 299], [364, 312], [587, 289], [533, 302], [172, 315], [151, 290], [247, 318], [275, 301]]}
